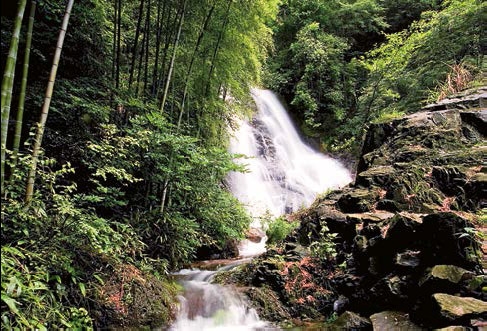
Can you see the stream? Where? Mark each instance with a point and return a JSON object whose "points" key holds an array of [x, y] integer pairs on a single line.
{"points": [[284, 175]]}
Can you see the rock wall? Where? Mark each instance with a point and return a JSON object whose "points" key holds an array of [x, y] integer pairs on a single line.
{"points": [[404, 242]]}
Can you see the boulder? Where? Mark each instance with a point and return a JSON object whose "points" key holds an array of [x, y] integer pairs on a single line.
{"points": [[476, 118], [445, 278], [408, 259], [378, 176], [392, 320], [445, 239], [349, 321], [357, 201], [255, 235], [456, 309]]}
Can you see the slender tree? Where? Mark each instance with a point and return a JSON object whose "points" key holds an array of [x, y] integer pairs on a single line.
{"points": [[147, 45], [114, 45], [171, 66], [45, 107], [217, 47], [119, 43], [190, 67], [7, 84], [166, 89], [23, 87], [136, 41]]}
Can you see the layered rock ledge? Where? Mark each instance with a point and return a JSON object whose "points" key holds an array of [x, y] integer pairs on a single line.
{"points": [[404, 240]]}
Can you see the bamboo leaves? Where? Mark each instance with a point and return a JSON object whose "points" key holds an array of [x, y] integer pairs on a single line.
{"points": [[45, 107], [7, 85]]}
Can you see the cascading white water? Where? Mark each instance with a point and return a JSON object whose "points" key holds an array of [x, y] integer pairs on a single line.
{"points": [[284, 174], [207, 306]]}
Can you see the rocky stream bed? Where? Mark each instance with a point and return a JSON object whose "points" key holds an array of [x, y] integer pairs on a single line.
{"points": [[407, 233]]}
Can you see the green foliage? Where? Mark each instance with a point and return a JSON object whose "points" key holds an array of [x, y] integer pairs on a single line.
{"points": [[278, 229], [412, 63], [30, 300], [324, 248], [44, 249]]}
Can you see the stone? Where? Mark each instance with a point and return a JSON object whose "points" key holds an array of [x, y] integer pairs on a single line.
{"points": [[449, 273], [340, 304], [255, 235], [378, 176], [357, 201], [477, 119], [349, 321], [445, 240], [401, 231], [408, 259], [449, 179], [388, 205], [454, 308], [392, 320]]}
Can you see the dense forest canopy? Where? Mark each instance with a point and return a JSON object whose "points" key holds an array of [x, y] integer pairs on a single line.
{"points": [[126, 165]]}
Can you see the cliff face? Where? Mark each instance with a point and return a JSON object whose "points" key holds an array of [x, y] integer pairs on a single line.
{"points": [[407, 233]]}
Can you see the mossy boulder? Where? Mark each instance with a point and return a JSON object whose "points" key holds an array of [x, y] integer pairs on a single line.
{"points": [[446, 276], [357, 201], [459, 309], [393, 320], [349, 321]]}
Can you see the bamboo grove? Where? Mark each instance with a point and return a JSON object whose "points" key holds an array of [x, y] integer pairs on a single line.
{"points": [[115, 117], [114, 144]]}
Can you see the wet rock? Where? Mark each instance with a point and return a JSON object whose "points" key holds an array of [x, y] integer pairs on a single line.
{"points": [[214, 252], [393, 292], [359, 251], [357, 201], [392, 320], [378, 176], [449, 179], [475, 191], [477, 119], [370, 217], [340, 304], [255, 235], [401, 232], [445, 276], [267, 273], [454, 328], [445, 240], [388, 205], [457, 309], [267, 303], [472, 98], [408, 259], [350, 321]]}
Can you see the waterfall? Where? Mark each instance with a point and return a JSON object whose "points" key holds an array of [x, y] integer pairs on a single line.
{"points": [[284, 174], [206, 306]]}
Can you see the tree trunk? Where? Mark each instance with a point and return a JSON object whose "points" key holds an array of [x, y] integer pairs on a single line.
{"points": [[114, 46], [23, 87], [171, 66], [119, 42], [45, 107], [161, 13], [136, 41], [217, 46], [7, 84], [147, 44], [190, 67]]}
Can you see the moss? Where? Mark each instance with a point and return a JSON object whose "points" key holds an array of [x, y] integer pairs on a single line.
{"points": [[454, 307]]}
